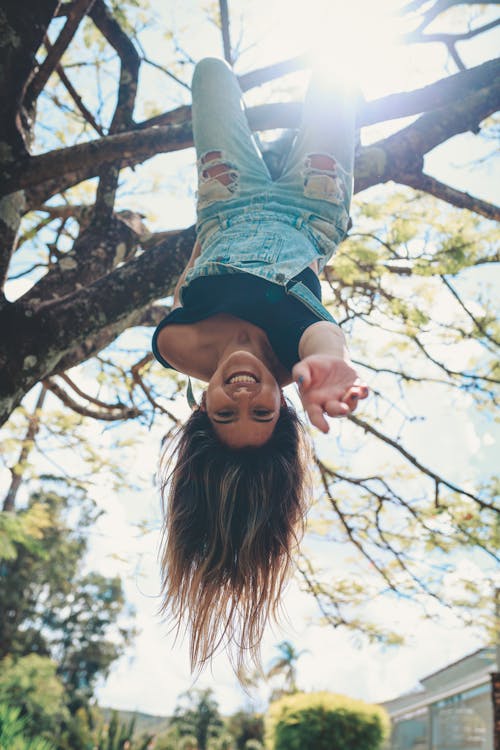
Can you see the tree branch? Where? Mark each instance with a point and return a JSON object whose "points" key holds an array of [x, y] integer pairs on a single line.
{"points": [[86, 113], [403, 153], [122, 117], [450, 39], [26, 446], [74, 16], [65, 167], [27, 357], [150, 315], [428, 184], [111, 413], [226, 36], [475, 321], [96, 250], [415, 462]]}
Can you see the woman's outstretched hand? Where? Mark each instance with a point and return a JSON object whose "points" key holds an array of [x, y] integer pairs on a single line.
{"points": [[328, 385]]}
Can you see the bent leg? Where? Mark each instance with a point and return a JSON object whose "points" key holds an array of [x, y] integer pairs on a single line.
{"points": [[320, 163], [229, 161]]}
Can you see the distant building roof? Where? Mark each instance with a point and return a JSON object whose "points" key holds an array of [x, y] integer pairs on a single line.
{"points": [[466, 673]]}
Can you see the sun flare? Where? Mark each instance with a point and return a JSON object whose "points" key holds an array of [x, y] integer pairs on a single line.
{"points": [[357, 41]]}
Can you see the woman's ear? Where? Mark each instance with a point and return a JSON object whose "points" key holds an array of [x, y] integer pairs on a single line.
{"points": [[203, 405]]}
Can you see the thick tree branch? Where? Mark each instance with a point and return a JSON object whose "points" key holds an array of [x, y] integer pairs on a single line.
{"points": [[268, 73], [23, 26], [65, 167], [428, 184], [149, 316], [96, 250], [130, 148], [27, 358], [403, 152]]}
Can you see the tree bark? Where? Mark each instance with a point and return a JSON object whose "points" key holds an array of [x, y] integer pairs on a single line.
{"points": [[35, 343], [22, 28], [495, 697]]}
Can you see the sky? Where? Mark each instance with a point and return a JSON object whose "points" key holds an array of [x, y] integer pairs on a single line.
{"points": [[155, 670], [333, 660]]}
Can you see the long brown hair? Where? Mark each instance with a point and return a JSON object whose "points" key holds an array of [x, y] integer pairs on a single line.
{"points": [[232, 519]]}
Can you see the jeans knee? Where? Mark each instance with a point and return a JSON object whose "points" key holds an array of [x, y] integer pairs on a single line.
{"points": [[210, 66]]}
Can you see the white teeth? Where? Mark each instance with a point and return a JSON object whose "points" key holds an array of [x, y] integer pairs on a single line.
{"points": [[242, 379]]}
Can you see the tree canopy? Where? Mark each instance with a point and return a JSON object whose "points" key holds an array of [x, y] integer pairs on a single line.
{"points": [[409, 285]]}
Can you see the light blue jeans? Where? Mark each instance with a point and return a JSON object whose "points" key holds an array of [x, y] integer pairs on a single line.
{"points": [[245, 220]]}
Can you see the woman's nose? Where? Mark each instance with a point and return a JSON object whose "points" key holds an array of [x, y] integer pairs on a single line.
{"points": [[242, 393]]}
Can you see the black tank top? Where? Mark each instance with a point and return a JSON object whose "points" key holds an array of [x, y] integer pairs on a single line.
{"points": [[282, 317]]}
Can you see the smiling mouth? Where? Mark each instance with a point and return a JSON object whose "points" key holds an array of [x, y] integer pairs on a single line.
{"points": [[242, 377]]}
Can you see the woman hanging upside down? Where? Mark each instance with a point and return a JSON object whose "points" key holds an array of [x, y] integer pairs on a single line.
{"points": [[248, 319]]}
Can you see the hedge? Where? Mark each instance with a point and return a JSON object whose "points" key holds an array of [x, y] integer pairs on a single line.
{"points": [[325, 721]]}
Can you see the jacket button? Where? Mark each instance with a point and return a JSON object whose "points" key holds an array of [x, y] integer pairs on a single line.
{"points": [[280, 277]]}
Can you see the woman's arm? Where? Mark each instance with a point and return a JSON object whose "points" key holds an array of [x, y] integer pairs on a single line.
{"points": [[323, 338], [194, 254], [328, 382]]}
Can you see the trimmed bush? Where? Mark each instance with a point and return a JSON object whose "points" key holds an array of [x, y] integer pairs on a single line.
{"points": [[324, 721]]}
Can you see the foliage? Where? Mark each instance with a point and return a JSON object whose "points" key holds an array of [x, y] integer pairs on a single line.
{"points": [[324, 721], [245, 727], [197, 715], [223, 742], [60, 629], [51, 605], [30, 683], [410, 286], [285, 664], [117, 735], [188, 742], [12, 736]]}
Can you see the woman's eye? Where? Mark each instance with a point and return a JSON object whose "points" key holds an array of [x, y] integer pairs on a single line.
{"points": [[225, 414], [262, 412]]}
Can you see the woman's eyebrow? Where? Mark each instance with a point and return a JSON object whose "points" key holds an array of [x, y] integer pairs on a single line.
{"points": [[235, 419]]}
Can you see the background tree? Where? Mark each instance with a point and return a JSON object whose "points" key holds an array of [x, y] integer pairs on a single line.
{"points": [[285, 665], [12, 732], [60, 628], [197, 715], [75, 122], [245, 726], [31, 686]]}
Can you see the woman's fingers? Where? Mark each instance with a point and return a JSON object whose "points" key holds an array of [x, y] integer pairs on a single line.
{"points": [[315, 414], [301, 375], [337, 408], [354, 394]]}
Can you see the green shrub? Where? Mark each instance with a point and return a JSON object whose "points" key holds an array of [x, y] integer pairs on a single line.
{"points": [[253, 745], [188, 742], [324, 721], [223, 742], [12, 728]]}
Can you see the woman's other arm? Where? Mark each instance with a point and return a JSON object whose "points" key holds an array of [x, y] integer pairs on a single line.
{"points": [[328, 382], [194, 254]]}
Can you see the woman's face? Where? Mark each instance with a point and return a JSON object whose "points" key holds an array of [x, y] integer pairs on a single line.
{"points": [[243, 401]]}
